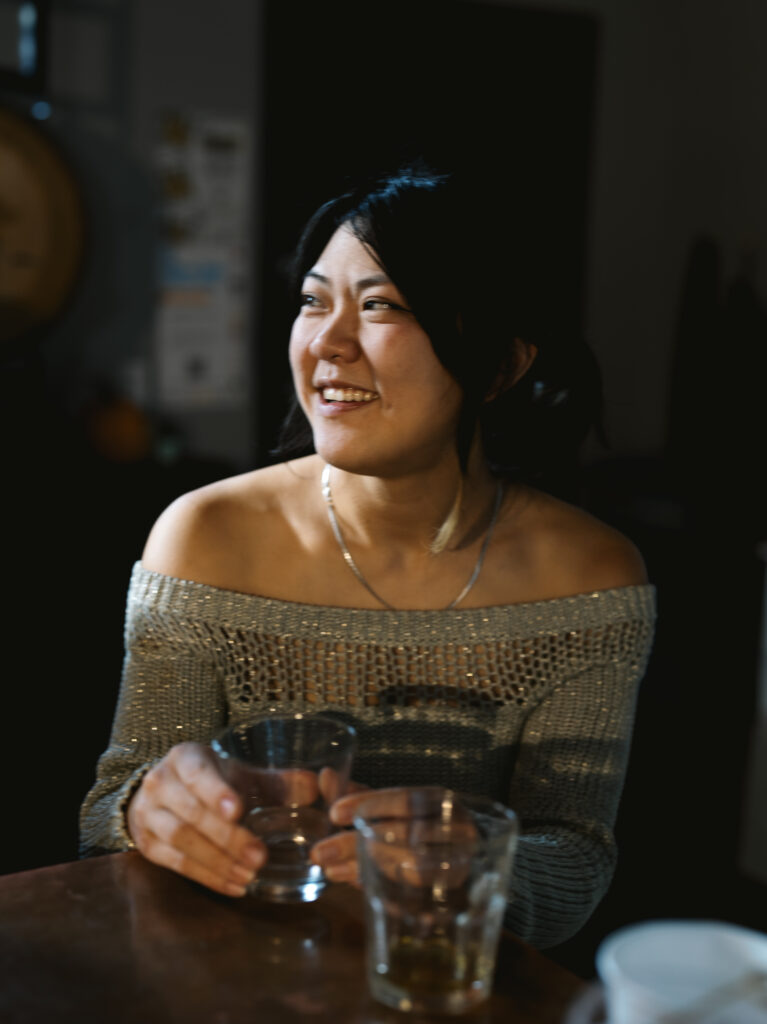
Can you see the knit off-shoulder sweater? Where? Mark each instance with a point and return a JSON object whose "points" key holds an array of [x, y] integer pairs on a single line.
{"points": [[531, 704]]}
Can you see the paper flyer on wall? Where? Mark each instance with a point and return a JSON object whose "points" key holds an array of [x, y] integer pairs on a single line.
{"points": [[202, 323]]}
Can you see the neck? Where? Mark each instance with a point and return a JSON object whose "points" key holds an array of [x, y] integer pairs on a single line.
{"points": [[405, 513]]}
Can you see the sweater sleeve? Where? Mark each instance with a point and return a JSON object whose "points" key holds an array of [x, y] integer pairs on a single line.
{"points": [[170, 692], [567, 785]]}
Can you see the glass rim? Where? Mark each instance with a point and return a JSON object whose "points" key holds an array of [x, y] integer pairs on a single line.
{"points": [[471, 801], [216, 741]]}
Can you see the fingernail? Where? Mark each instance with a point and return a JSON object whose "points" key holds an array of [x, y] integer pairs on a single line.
{"points": [[242, 874], [229, 806], [232, 889], [336, 815]]}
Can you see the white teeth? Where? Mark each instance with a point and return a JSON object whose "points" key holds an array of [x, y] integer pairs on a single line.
{"points": [[347, 395]]}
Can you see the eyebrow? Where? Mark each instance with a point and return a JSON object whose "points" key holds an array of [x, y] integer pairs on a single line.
{"points": [[364, 282]]}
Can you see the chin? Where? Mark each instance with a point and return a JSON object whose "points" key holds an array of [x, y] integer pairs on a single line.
{"points": [[349, 461]]}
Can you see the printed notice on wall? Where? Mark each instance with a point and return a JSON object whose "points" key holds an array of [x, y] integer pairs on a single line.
{"points": [[202, 324]]}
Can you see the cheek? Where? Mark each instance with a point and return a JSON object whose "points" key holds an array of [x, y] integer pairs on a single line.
{"points": [[451, 402], [445, 396], [437, 383], [297, 351], [301, 368]]}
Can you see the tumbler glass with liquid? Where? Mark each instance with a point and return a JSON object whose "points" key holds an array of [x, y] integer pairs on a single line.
{"points": [[435, 868], [288, 769]]}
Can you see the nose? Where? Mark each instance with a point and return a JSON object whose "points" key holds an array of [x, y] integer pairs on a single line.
{"points": [[335, 338]]}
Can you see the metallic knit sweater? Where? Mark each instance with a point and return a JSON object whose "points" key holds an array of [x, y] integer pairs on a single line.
{"points": [[531, 704]]}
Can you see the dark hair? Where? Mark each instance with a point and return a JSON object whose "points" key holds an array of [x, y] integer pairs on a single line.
{"points": [[475, 280]]}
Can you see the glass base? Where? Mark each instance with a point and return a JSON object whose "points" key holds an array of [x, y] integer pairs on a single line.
{"points": [[306, 893], [285, 886], [455, 1002]]}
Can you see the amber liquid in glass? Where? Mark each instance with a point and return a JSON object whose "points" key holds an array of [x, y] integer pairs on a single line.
{"points": [[433, 965]]}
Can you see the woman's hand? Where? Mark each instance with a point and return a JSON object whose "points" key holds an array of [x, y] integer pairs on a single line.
{"points": [[401, 855], [184, 816], [337, 855]]}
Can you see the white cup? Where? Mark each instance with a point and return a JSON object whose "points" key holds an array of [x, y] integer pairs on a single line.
{"points": [[658, 972]]}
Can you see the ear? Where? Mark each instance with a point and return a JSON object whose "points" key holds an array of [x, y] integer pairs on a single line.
{"points": [[520, 358]]}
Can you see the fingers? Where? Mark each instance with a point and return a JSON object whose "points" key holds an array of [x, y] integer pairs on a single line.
{"points": [[195, 770], [413, 842], [420, 866], [387, 801], [269, 787], [183, 817], [294, 787], [333, 785], [337, 856], [401, 805], [190, 853]]}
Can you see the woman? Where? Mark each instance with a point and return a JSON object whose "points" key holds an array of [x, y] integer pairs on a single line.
{"points": [[478, 631]]}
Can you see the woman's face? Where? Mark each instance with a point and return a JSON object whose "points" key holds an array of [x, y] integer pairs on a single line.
{"points": [[378, 400]]}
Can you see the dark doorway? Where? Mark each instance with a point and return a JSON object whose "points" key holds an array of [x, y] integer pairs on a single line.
{"points": [[352, 89]]}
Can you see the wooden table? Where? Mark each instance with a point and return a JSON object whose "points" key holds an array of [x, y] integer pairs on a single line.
{"points": [[116, 939]]}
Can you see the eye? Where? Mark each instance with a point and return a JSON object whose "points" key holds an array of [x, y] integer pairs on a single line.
{"points": [[307, 299], [383, 304]]}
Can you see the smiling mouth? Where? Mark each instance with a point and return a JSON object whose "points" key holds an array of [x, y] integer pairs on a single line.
{"points": [[347, 395]]}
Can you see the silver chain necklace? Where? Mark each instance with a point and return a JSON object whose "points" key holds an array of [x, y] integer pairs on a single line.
{"points": [[327, 495]]}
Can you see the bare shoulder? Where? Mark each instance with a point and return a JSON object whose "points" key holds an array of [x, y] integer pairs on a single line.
{"points": [[568, 550], [211, 534]]}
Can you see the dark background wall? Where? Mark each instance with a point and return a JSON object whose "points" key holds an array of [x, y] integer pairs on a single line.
{"points": [[635, 128], [494, 91]]}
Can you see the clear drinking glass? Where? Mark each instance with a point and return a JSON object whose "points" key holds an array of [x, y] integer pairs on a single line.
{"points": [[288, 769], [435, 868]]}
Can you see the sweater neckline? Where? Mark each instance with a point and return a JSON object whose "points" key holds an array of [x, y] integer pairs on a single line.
{"points": [[634, 592]]}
